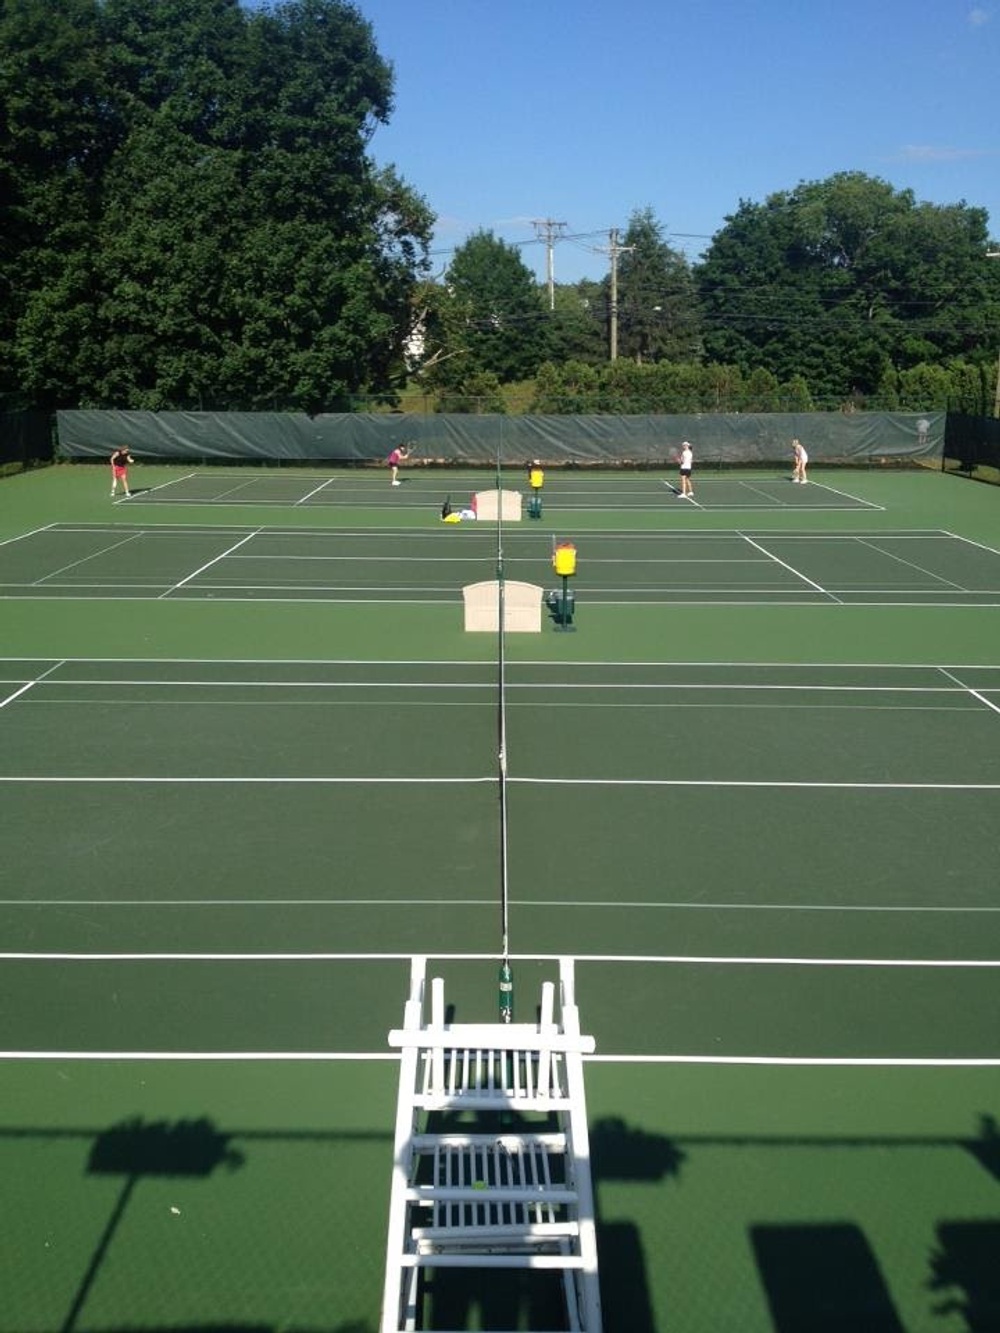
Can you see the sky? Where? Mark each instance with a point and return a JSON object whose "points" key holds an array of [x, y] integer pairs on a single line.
{"points": [[582, 112]]}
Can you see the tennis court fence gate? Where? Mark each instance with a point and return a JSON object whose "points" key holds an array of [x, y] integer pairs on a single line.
{"points": [[491, 1167]]}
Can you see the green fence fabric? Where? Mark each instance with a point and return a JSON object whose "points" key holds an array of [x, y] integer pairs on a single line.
{"points": [[359, 438], [972, 442], [26, 438]]}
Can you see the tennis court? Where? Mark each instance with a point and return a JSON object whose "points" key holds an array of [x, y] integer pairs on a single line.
{"points": [[741, 566], [573, 492], [248, 768]]}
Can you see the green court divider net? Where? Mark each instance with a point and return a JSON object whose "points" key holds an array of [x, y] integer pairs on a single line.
{"points": [[718, 438], [972, 444]]}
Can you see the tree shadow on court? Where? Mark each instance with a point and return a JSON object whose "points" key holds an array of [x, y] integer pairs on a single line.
{"points": [[822, 1278], [965, 1264], [985, 1147]]}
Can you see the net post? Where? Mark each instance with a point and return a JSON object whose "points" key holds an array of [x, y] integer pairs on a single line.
{"points": [[506, 986]]}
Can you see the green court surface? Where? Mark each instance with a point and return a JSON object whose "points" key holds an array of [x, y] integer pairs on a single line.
{"points": [[248, 768]]}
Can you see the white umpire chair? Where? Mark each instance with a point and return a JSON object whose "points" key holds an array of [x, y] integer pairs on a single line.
{"points": [[481, 1198]]}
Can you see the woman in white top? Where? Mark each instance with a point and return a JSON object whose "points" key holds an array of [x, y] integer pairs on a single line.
{"points": [[801, 462], [686, 464]]}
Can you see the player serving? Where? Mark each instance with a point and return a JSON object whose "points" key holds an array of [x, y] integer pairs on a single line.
{"points": [[120, 460]]}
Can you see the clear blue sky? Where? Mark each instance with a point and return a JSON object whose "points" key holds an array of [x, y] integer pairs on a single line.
{"points": [[582, 111]]}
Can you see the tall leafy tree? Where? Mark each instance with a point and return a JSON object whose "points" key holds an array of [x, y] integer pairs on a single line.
{"points": [[578, 324], [505, 329], [54, 141], [657, 301], [844, 280], [243, 249]]}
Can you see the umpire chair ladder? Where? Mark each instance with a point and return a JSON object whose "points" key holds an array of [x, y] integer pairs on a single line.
{"points": [[470, 1191]]}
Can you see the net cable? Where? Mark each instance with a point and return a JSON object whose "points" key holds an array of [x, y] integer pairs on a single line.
{"points": [[505, 979]]}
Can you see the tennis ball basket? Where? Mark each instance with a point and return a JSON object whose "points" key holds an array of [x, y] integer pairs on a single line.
{"points": [[562, 603]]}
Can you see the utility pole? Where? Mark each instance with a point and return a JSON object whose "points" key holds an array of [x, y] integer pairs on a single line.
{"points": [[995, 254], [546, 230], [614, 250]]}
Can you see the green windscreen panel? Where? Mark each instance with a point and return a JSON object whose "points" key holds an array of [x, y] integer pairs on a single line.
{"points": [[735, 438]]}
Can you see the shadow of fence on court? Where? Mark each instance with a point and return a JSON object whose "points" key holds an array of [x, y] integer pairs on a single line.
{"points": [[193, 1151], [816, 1277]]}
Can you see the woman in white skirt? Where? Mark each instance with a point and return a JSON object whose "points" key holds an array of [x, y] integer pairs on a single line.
{"points": [[801, 459]]}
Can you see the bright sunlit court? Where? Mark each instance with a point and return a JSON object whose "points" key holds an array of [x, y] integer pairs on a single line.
{"points": [[249, 770]]}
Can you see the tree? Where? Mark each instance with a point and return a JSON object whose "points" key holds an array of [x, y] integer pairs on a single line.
{"points": [[505, 330], [475, 394], [657, 300], [578, 324], [53, 143], [241, 248], [843, 280]]}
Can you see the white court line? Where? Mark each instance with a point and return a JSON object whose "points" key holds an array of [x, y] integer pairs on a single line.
{"points": [[969, 690], [872, 544], [740, 560], [47, 527], [405, 556], [726, 782], [148, 490], [686, 960], [983, 700], [230, 490], [774, 500], [245, 781], [30, 684], [776, 784], [269, 1057], [523, 904], [757, 546], [722, 597], [94, 555], [561, 686], [992, 550], [452, 601], [542, 664], [803, 1061], [443, 664], [847, 495], [407, 684], [17, 694], [209, 563], [193, 1057], [314, 491], [554, 706], [539, 662], [483, 537]]}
